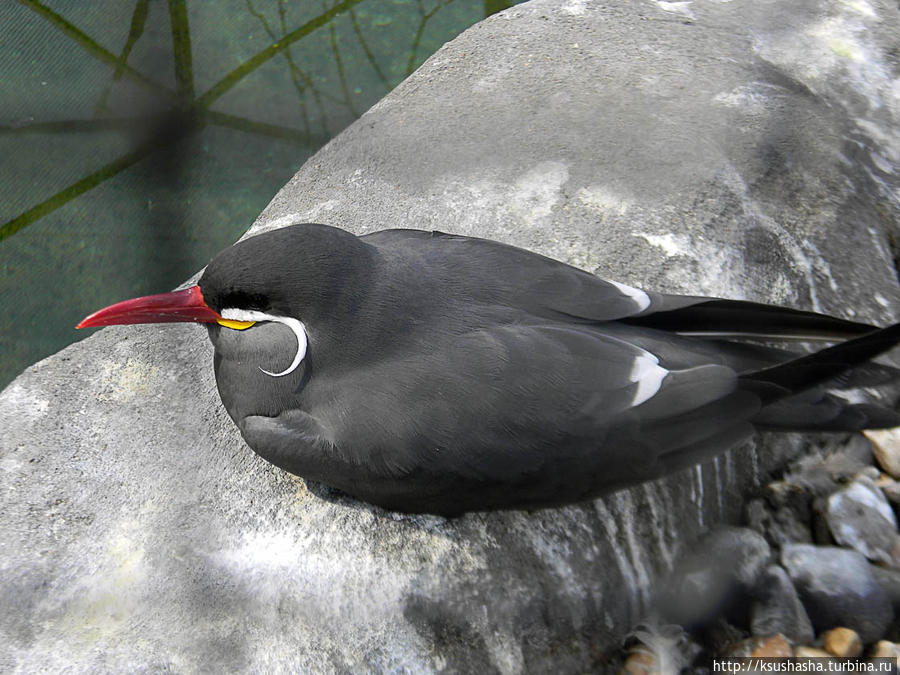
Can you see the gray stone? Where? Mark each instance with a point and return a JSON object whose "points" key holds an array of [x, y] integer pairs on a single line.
{"points": [[833, 459], [886, 447], [821, 532], [837, 589], [890, 488], [889, 579], [735, 149], [870, 473], [781, 525], [860, 517], [779, 609], [858, 450], [718, 574], [818, 474]]}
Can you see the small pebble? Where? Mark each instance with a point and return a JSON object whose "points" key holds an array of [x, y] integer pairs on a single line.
{"points": [[804, 652], [886, 448], [870, 472], [889, 487], [843, 642], [885, 649], [640, 661], [776, 645], [770, 646]]}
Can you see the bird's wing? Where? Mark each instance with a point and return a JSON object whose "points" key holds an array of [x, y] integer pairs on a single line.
{"points": [[547, 288], [531, 408], [489, 271], [536, 415]]}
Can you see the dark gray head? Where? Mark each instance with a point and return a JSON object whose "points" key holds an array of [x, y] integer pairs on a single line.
{"points": [[307, 271], [309, 278]]}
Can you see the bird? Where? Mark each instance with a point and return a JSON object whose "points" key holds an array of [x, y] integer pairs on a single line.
{"points": [[426, 372]]}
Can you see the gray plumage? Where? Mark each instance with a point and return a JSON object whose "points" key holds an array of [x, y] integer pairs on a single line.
{"points": [[446, 374]]}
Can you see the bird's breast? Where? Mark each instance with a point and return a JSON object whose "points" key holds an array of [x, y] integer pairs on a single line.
{"points": [[241, 359]]}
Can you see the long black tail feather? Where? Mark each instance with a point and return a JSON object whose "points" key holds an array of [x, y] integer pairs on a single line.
{"points": [[742, 319], [795, 376], [825, 413]]}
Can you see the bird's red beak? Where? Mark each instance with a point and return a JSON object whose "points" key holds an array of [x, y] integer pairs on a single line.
{"points": [[184, 305]]}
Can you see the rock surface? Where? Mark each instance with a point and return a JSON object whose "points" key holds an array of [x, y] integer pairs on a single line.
{"points": [[771, 646], [842, 642], [719, 573], [734, 149], [779, 609], [889, 580], [860, 517], [779, 525], [886, 447], [837, 589], [885, 649]]}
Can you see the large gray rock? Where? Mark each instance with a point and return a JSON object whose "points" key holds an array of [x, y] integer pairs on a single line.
{"points": [[779, 609], [739, 149], [719, 574], [838, 589]]}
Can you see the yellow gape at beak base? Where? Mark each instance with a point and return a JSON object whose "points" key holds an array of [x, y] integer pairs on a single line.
{"points": [[236, 325]]}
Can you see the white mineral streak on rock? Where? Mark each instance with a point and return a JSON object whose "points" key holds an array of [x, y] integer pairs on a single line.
{"points": [[682, 8], [604, 198], [661, 526], [751, 99], [715, 271], [610, 524], [754, 463], [538, 191], [717, 461], [671, 244], [630, 524], [24, 405], [574, 7], [697, 490]]}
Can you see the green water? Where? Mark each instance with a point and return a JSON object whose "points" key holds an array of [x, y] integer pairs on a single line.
{"points": [[106, 194]]}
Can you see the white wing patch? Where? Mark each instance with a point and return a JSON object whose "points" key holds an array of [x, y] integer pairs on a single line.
{"points": [[641, 298], [295, 325], [648, 374]]}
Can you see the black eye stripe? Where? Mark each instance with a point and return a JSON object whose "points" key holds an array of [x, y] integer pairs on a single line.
{"points": [[244, 300]]}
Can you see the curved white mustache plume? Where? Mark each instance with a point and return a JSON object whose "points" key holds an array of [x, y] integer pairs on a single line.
{"points": [[296, 326]]}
